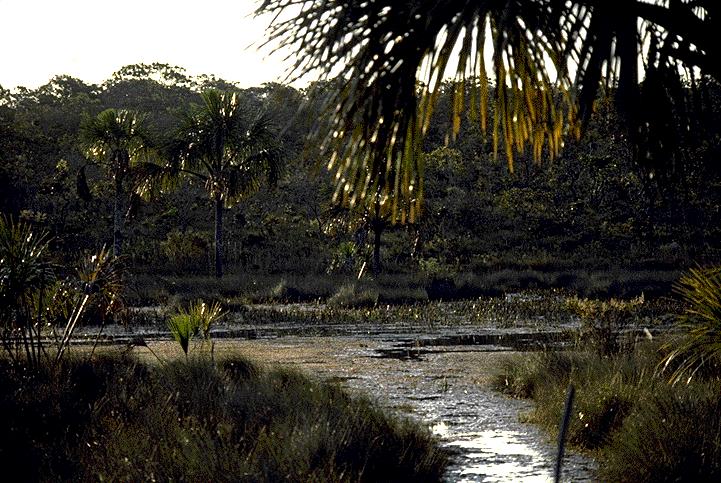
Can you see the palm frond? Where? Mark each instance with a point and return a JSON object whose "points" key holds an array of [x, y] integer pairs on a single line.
{"points": [[229, 148], [24, 267], [699, 347], [548, 59]]}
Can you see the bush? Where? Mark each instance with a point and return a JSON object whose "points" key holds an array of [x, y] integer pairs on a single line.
{"points": [[699, 349], [601, 321], [117, 419], [350, 296]]}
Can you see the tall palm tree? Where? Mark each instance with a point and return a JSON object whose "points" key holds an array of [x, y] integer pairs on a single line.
{"points": [[548, 58], [220, 144], [119, 140]]}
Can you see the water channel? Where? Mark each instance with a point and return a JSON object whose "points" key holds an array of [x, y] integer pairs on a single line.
{"points": [[439, 376]]}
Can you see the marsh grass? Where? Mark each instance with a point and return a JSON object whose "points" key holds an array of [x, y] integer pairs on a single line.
{"points": [[396, 288], [115, 418], [640, 427]]}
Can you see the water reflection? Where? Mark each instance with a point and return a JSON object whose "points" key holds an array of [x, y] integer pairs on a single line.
{"points": [[498, 456]]}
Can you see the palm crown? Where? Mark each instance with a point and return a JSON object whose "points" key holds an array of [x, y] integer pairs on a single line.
{"points": [[219, 143], [118, 140]]}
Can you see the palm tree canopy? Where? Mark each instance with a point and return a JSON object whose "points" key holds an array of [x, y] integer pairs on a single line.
{"points": [[122, 141], [118, 137], [548, 59], [221, 144]]}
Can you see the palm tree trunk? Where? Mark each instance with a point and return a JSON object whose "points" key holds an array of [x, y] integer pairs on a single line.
{"points": [[377, 231], [118, 213], [218, 236], [378, 226]]}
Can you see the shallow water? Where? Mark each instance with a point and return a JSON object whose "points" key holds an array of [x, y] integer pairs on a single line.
{"points": [[437, 375], [480, 426]]}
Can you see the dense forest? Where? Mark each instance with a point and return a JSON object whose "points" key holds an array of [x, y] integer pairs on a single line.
{"points": [[597, 207]]}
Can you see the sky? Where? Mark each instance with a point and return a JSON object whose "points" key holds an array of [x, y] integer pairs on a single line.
{"points": [[91, 39]]}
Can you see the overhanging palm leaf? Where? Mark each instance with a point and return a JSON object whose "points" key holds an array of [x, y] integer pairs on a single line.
{"points": [[699, 347], [548, 58]]}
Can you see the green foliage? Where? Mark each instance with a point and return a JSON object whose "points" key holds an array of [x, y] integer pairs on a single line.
{"points": [[594, 222], [346, 259], [699, 349], [641, 428], [603, 320], [101, 419], [197, 319], [184, 249]]}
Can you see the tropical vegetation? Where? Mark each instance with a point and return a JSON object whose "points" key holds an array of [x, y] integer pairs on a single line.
{"points": [[615, 203], [548, 59], [115, 417], [229, 150]]}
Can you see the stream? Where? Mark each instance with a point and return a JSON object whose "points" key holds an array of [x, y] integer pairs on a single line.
{"points": [[439, 376], [444, 387]]}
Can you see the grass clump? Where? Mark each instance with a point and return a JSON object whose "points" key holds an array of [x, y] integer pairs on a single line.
{"points": [[639, 426], [673, 436], [115, 418], [351, 296]]}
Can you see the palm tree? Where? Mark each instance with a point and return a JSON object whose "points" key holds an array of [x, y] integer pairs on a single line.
{"points": [[25, 274], [120, 142], [549, 59], [230, 152]]}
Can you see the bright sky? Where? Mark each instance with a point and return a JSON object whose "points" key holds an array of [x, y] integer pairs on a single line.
{"points": [[91, 39]]}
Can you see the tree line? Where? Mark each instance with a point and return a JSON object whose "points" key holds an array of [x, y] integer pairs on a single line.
{"points": [[139, 162]]}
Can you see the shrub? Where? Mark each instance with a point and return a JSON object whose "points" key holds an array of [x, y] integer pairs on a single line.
{"points": [[699, 349], [348, 295], [601, 321]]}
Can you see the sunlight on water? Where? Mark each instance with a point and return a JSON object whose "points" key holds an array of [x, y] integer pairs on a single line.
{"points": [[496, 456]]}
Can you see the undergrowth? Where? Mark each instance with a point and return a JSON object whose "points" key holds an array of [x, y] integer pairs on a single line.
{"points": [[639, 426], [117, 419]]}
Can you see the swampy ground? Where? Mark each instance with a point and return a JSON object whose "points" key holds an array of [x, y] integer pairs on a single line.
{"points": [[438, 375], [435, 363]]}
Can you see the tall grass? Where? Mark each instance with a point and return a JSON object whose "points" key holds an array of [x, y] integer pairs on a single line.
{"points": [[117, 419], [640, 427]]}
